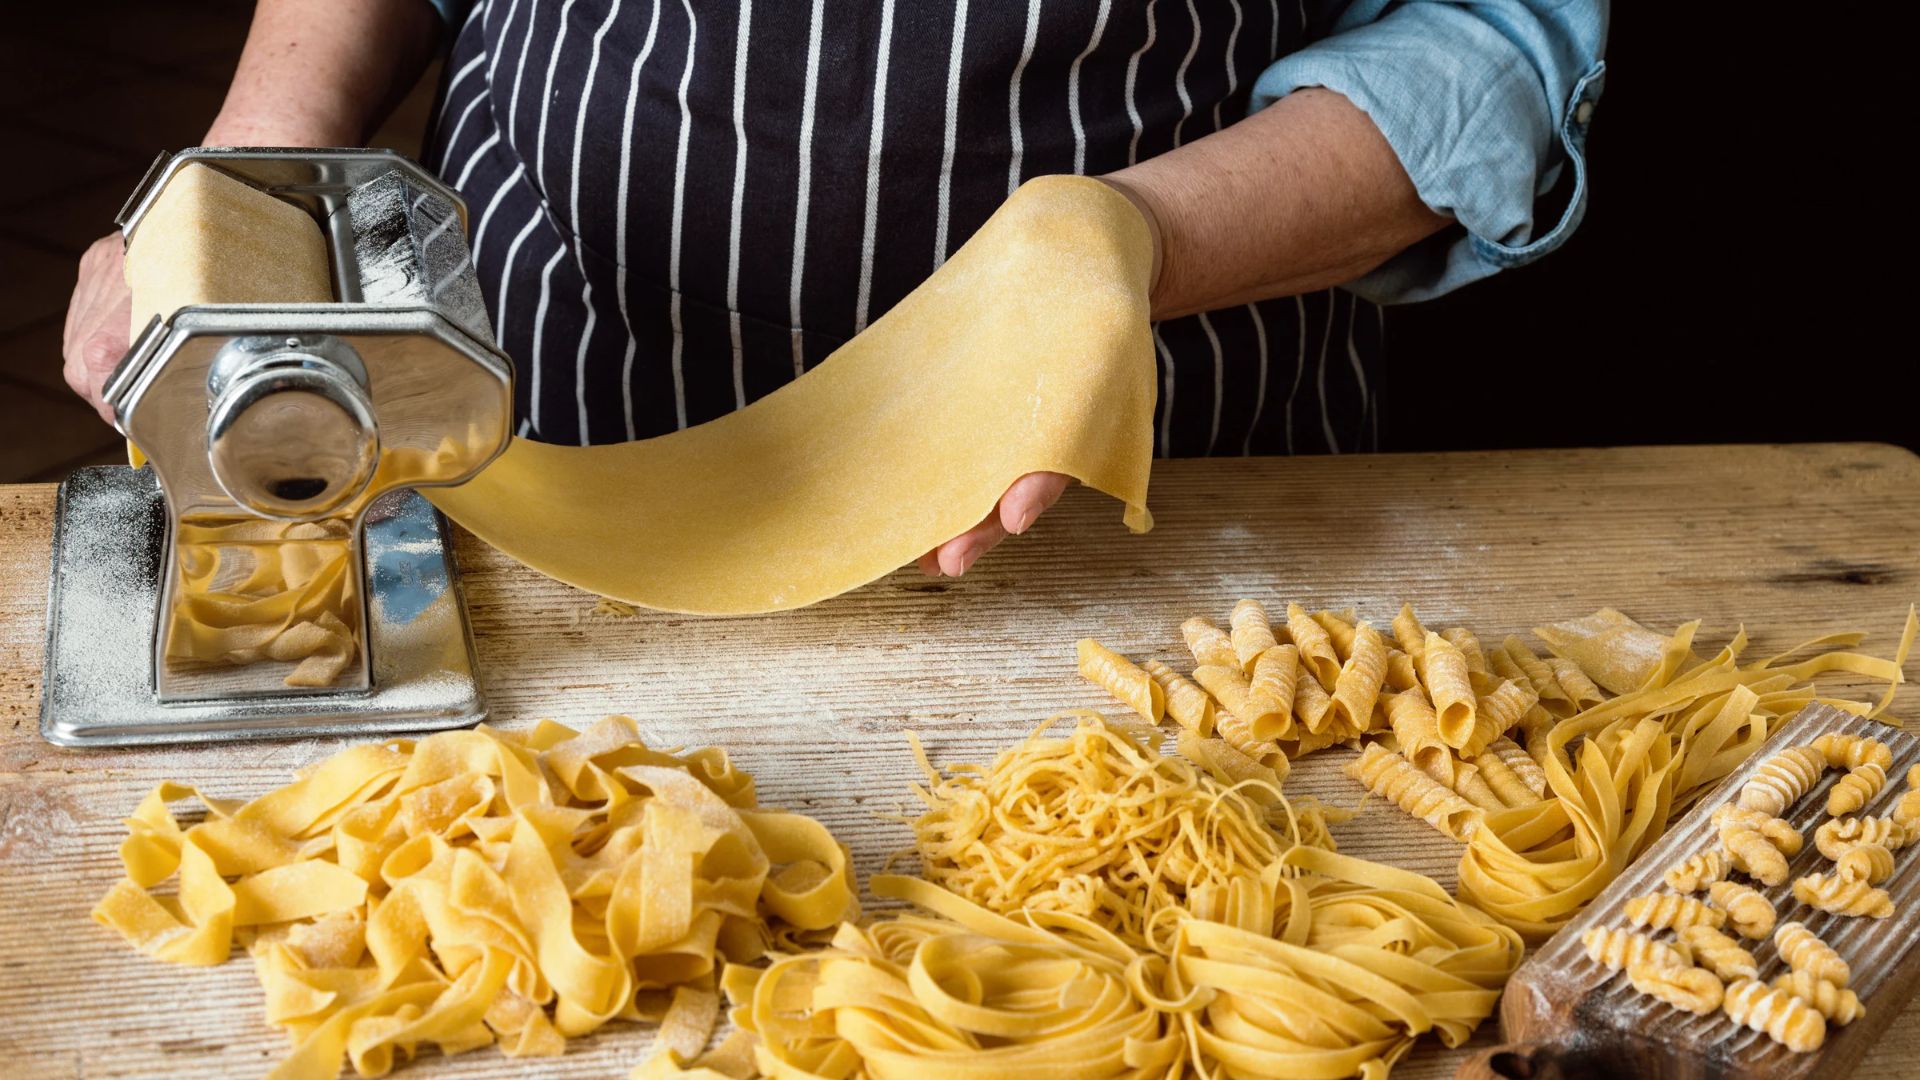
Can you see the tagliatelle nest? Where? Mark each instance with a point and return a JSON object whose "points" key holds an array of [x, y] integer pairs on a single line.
{"points": [[1100, 825]]}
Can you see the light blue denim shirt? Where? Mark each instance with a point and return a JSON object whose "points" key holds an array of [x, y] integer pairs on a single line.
{"points": [[1484, 101]]}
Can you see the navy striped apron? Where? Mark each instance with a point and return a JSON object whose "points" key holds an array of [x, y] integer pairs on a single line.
{"points": [[678, 205]]}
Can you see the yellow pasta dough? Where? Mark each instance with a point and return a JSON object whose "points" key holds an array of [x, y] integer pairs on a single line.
{"points": [[1695, 990], [1317, 654], [1697, 871], [1844, 751], [1444, 671], [1235, 695], [1208, 643], [1661, 911], [1719, 953], [1394, 778], [1189, 705], [1782, 779], [1358, 685], [1777, 831], [1752, 854], [1833, 838], [1523, 765], [477, 886], [1271, 691], [1856, 789], [1870, 863], [1618, 948]]}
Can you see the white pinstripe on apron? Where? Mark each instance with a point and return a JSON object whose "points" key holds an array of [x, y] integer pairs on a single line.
{"points": [[679, 205]]}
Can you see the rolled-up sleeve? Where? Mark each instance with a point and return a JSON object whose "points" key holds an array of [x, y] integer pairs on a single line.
{"points": [[1485, 102]]}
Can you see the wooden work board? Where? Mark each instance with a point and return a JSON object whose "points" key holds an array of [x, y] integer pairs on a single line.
{"points": [[1568, 1016], [1793, 541]]}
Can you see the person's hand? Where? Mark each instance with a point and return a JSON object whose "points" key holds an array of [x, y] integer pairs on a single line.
{"points": [[1019, 508], [97, 318]]}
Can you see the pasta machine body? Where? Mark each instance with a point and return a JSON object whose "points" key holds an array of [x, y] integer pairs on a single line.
{"points": [[270, 571]]}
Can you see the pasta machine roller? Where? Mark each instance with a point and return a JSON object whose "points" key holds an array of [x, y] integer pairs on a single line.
{"points": [[271, 572]]}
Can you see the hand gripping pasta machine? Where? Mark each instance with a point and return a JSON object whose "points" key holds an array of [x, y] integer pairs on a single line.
{"points": [[271, 573]]}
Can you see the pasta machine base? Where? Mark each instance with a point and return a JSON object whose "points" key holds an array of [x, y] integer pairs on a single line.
{"points": [[100, 687]]}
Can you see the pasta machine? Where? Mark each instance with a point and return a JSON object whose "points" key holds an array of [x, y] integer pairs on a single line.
{"points": [[270, 572]]}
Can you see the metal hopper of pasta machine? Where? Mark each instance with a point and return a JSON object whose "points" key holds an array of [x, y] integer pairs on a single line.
{"points": [[271, 572]]}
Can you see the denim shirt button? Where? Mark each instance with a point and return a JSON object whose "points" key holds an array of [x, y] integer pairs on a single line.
{"points": [[1583, 112]]}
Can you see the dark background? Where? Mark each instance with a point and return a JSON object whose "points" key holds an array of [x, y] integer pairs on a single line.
{"points": [[1730, 283]]}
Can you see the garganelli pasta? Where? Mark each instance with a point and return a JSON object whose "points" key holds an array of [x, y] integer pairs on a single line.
{"points": [[1123, 679], [1271, 691], [1358, 685], [1185, 702], [1394, 778], [1251, 633], [1317, 654], [1208, 643], [1444, 671]]}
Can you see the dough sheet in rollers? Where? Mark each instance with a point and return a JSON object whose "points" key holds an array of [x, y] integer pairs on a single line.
{"points": [[1029, 350]]}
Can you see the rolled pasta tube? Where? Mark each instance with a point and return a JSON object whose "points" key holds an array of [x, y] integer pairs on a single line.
{"points": [[1503, 780], [1469, 645], [1409, 633], [1230, 766], [1235, 695], [1535, 727], [1360, 679], [1208, 643], [1316, 648], [1501, 709], [1123, 679], [1417, 732], [1473, 787], [1449, 688], [1401, 673], [1579, 688], [1339, 631], [1394, 778], [1522, 764], [1552, 696], [1311, 702], [1237, 733], [1251, 633], [1272, 689], [1186, 702]]}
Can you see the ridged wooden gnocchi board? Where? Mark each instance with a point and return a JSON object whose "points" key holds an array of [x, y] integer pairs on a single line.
{"points": [[1564, 1015]]}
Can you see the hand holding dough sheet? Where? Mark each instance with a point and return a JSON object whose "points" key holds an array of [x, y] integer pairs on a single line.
{"points": [[1028, 351]]}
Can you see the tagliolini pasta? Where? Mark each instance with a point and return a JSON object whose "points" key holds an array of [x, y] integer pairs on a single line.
{"points": [[478, 887]]}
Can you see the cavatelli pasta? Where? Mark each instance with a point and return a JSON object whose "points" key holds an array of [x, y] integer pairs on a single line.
{"points": [[1444, 671], [1695, 990], [1394, 778], [1750, 853], [1522, 764], [1856, 789], [1358, 685], [1778, 831], [1719, 953], [1502, 778], [1250, 632], [1666, 910], [1778, 1014], [1782, 779], [1316, 648], [1189, 705], [1839, 1005], [1870, 863], [1833, 838], [1803, 950], [1271, 691], [1832, 894], [1749, 914], [1616, 948], [1208, 643], [1123, 679], [1698, 871], [1844, 751]]}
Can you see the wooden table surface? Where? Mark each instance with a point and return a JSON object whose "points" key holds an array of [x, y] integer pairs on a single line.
{"points": [[1793, 541]]}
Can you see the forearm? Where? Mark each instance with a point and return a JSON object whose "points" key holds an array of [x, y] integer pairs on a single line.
{"points": [[323, 72], [1302, 195]]}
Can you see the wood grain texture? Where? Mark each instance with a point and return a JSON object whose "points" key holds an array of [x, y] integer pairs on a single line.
{"points": [[1580, 1019], [1794, 541]]}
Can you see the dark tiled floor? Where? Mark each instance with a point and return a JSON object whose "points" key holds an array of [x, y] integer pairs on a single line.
{"points": [[89, 94]]}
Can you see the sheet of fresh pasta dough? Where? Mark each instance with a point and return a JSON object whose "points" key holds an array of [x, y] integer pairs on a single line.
{"points": [[1028, 351]]}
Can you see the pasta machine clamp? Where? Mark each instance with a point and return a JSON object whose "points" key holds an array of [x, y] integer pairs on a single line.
{"points": [[271, 572]]}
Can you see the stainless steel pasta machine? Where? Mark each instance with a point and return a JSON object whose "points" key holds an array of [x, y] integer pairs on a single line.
{"points": [[271, 572]]}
